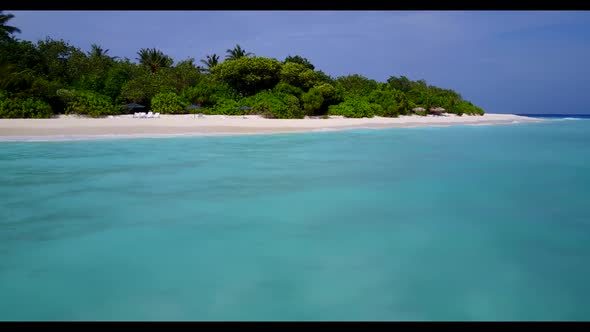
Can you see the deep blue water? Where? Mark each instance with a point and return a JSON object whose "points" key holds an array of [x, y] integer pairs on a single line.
{"points": [[559, 116], [442, 223]]}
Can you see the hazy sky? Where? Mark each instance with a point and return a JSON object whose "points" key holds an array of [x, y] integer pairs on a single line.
{"points": [[505, 62]]}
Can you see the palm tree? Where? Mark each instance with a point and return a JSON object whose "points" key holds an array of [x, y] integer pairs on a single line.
{"points": [[212, 61], [12, 79], [154, 59], [236, 53], [97, 51], [6, 30]]}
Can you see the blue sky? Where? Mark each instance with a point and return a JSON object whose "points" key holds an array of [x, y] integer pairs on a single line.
{"points": [[504, 61]]}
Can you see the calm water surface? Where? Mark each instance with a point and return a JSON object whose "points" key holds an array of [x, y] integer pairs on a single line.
{"points": [[456, 223]]}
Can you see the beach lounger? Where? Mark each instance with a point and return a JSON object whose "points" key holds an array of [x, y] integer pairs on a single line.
{"points": [[149, 115], [156, 115]]}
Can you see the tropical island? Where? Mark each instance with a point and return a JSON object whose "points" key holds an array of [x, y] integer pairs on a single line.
{"points": [[52, 78]]}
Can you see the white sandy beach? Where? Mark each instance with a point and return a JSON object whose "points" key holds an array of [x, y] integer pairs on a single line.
{"points": [[170, 125]]}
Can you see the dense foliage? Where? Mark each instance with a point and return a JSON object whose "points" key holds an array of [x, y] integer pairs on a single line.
{"points": [[355, 108], [86, 103], [23, 107], [169, 102], [53, 77], [274, 104]]}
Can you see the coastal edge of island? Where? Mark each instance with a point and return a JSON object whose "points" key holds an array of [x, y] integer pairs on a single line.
{"points": [[68, 127]]}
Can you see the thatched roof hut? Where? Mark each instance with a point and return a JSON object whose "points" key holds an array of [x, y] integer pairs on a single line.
{"points": [[437, 110]]}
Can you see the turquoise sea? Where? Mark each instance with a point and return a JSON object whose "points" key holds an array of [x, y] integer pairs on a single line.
{"points": [[433, 223]]}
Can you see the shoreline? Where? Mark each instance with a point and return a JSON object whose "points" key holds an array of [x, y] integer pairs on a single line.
{"points": [[68, 128]]}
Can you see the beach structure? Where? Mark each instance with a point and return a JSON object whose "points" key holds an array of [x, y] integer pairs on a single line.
{"points": [[418, 109], [148, 115], [132, 107], [193, 107], [436, 110], [244, 108]]}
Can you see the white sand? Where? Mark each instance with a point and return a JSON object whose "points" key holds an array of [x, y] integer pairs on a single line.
{"points": [[71, 127]]}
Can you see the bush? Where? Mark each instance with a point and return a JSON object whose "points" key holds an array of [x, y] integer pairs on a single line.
{"points": [[330, 94], [387, 100], [47, 91], [274, 105], [312, 101], [13, 108], [227, 107], [87, 103], [293, 107], [284, 87], [116, 77], [355, 108], [298, 75], [169, 103], [207, 93], [317, 100], [90, 82], [146, 85], [356, 85], [248, 75], [465, 107]]}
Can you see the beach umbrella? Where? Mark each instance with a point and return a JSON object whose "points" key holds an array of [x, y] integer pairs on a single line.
{"points": [[193, 107], [133, 106], [244, 108]]}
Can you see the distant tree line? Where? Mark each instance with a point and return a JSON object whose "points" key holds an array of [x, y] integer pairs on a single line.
{"points": [[39, 80]]}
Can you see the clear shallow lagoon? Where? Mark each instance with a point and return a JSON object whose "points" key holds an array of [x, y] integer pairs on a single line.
{"points": [[456, 223]]}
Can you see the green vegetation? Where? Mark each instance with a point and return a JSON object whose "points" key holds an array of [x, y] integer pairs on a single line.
{"points": [[86, 103], [273, 104], [169, 102], [39, 80], [23, 107], [6, 31]]}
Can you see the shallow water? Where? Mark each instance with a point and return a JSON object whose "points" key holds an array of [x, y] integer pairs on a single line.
{"points": [[440, 223]]}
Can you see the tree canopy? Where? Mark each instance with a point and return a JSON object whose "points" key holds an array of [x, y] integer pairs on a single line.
{"points": [[210, 61], [6, 31], [236, 53], [300, 60], [54, 77], [154, 59]]}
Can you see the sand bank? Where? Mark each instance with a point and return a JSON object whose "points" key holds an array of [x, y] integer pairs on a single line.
{"points": [[65, 127]]}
